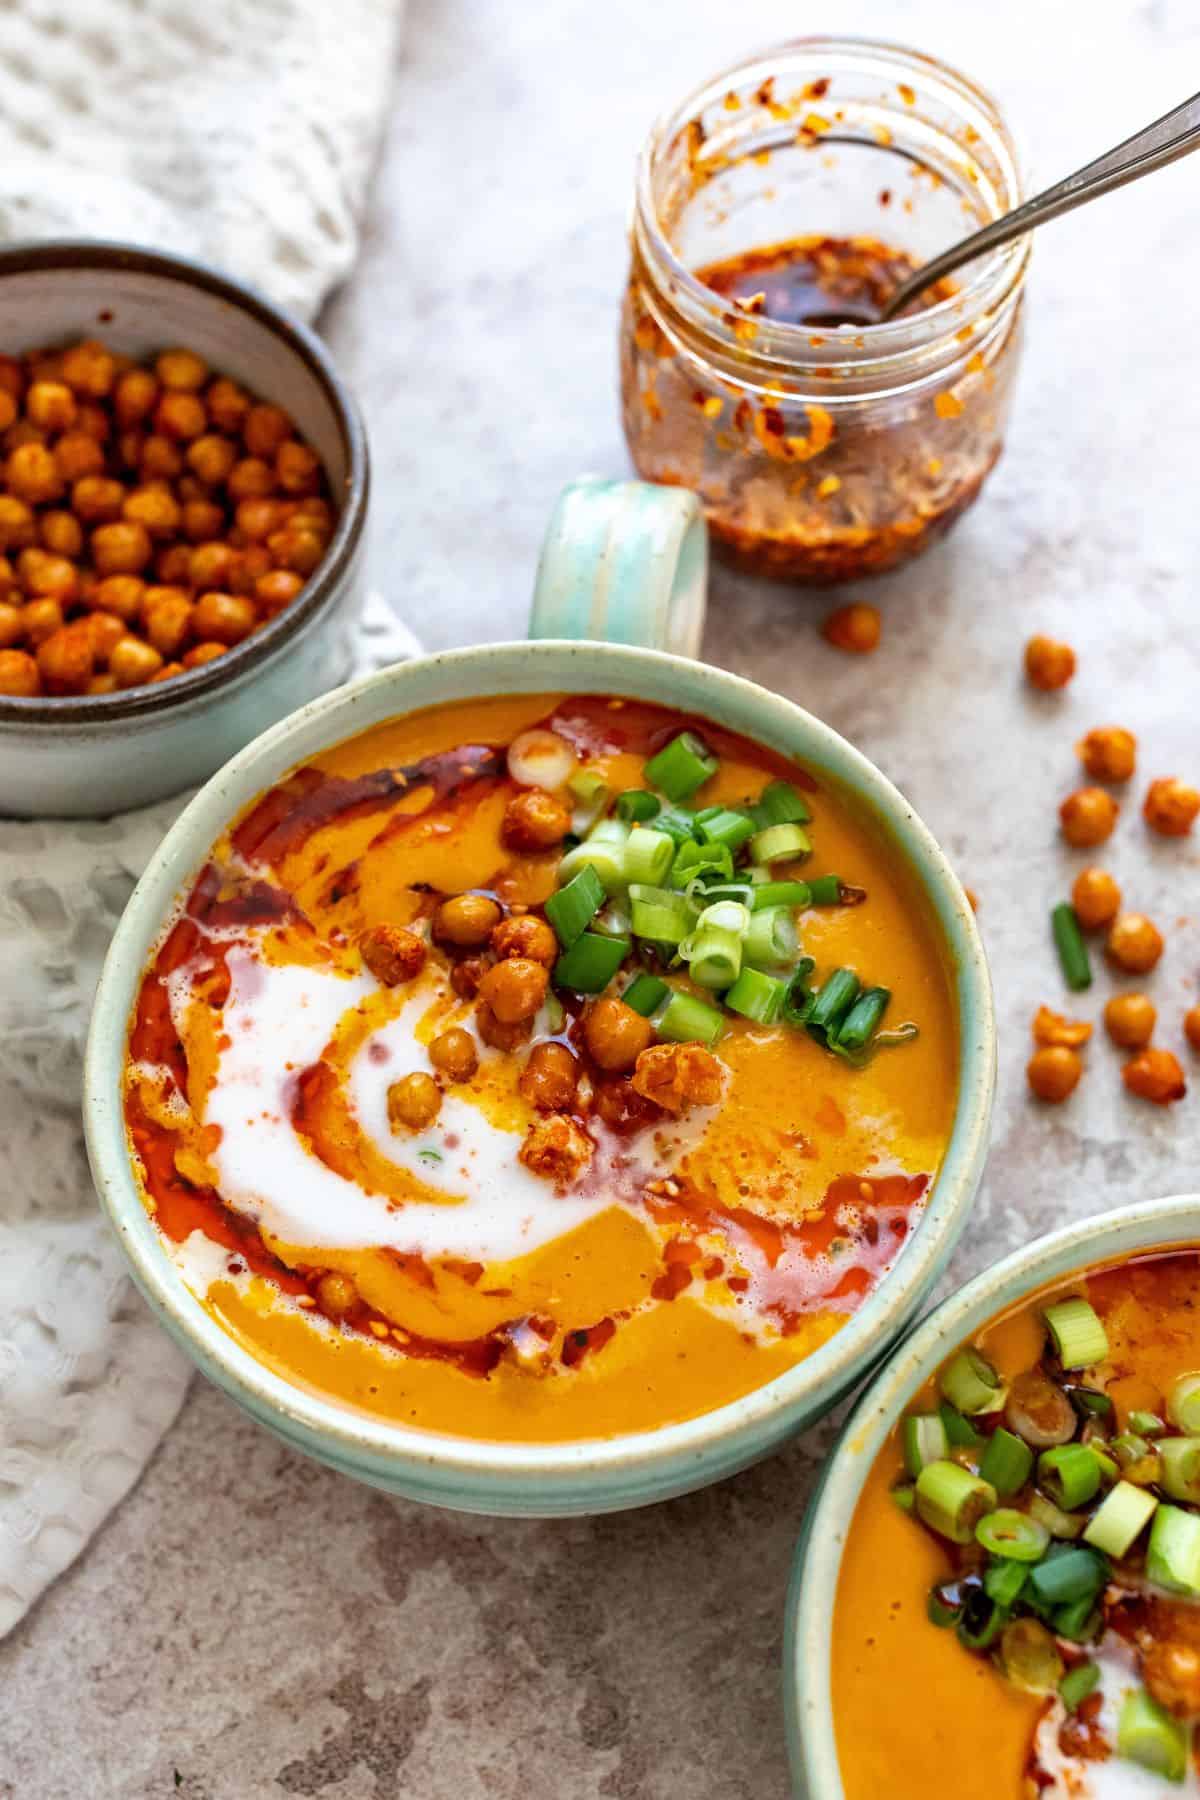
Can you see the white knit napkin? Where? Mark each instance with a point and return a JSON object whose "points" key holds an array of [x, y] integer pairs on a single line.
{"points": [[241, 132]]}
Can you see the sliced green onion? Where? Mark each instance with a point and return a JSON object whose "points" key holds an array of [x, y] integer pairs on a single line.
{"points": [[706, 890], [714, 956], [659, 914], [779, 842], [693, 858], [862, 1021], [780, 893], [1183, 1404], [1079, 1338], [923, 1438], [1072, 951], [1173, 1553], [780, 804], [970, 1383], [682, 766], [1007, 1532], [1007, 1462], [904, 1495], [648, 856], [1058, 1523], [679, 826], [1109, 1470], [951, 1501], [961, 1433], [591, 962], [719, 825], [831, 1003], [636, 805], [758, 997], [1003, 1581], [1139, 1459], [1180, 1459], [603, 850], [725, 915], [688, 1020], [1070, 1474], [771, 938], [613, 920], [943, 1607], [645, 993], [1030, 1657], [825, 890], [1120, 1518], [798, 999], [1078, 1683], [1150, 1737], [1073, 1574], [590, 794], [574, 906], [1090, 1403], [982, 1621], [1146, 1424], [1079, 1621]]}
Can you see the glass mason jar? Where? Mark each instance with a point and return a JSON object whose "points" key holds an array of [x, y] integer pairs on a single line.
{"points": [[823, 446]]}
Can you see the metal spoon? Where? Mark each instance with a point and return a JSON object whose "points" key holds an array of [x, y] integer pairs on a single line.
{"points": [[1170, 137]]}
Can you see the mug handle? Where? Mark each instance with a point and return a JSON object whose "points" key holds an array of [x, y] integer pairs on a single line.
{"points": [[624, 562]]}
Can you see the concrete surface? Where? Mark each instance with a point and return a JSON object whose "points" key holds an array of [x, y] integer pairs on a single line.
{"points": [[248, 1625]]}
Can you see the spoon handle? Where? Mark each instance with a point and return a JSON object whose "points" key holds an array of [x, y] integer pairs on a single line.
{"points": [[1172, 136]]}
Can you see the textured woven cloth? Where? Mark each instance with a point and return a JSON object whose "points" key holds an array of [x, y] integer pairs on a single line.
{"points": [[242, 132]]}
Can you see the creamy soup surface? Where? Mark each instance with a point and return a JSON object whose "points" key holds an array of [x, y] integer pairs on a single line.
{"points": [[672, 1247]]}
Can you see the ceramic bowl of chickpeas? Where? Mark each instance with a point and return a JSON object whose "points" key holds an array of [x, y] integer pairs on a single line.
{"points": [[183, 490]]}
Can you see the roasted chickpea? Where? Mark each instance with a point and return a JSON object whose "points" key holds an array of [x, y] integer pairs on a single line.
{"points": [[180, 415], [223, 618], [297, 468], [42, 618], [12, 377], [65, 660], [1155, 1075], [8, 579], [18, 526], [535, 820], [135, 398], [297, 549], [1191, 1026], [154, 507], [466, 920], [161, 458], [453, 1054], [1108, 753], [8, 410], [102, 682], [1048, 663], [89, 369], [527, 936], [48, 577], [264, 429], [495, 1032], [133, 662], [413, 1102], [615, 1035], [97, 500], [61, 533], [1088, 816], [556, 1148], [1134, 942], [276, 589], [1055, 1028], [19, 675], [131, 447], [201, 520], [678, 1076], [514, 989], [203, 653], [252, 564], [336, 1294], [50, 405], [122, 548], [466, 975], [1129, 1020], [316, 513], [856, 628], [257, 519], [106, 632], [181, 371], [228, 404], [1053, 1072], [172, 566], [250, 479], [76, 455], [32, 474], [549, 1078], [1096, 898], [393, 953], [12, 625], [211, 457], [1171, 806], [120, 594], [167, 618], [210, 565]]}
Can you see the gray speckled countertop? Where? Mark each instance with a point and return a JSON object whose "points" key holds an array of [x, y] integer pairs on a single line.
{"points": [[248, 1624]]}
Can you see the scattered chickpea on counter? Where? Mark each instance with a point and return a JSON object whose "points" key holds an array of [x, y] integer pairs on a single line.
{"points": [[1171, 806], [1049, 665], [1155, 1075], [1134, 942], [1108, 753], [1096, 898], [1129, 1020], [856, 628], [1053, 1072], [1088, 816]]}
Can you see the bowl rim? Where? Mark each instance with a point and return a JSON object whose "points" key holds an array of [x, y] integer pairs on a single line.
{"points": [[619, 669], [43, 714], [1099, 1239]]}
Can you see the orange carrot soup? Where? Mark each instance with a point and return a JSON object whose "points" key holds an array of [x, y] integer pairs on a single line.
{"points": [[1018, 1612], [542, 1069]]}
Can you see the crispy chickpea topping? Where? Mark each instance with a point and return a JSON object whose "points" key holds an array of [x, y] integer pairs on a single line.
{"points": [[1129, 1020], [678, 1076], [466, 975], [496, 1032], [1155, 1075], [1191, 1026], [453, 1054], [549, 1078], [1054, 1028], [1134, 942], [393, 953], [413, 1102], [1171, 806], [855, 628], [535, 820], [526, 935], [1053, 1072], [514, 989], [1088, 816], [615, 1034], [1108, 753], [1096, 898], [336, 1294], [465, 920], [1171, 1672], [1048, 663], [19, 675], [557, 1148]]}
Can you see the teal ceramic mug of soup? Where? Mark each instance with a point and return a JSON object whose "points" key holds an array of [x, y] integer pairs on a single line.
{"points": [[543, 1078]]}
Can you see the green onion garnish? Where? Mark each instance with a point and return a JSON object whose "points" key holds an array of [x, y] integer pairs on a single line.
{"points": [[645, 993], [1080, 1339], [1007, 1462], [770, 938], [1173, 1554], [825, 890], [1004, 1580], [943, 1606], [780, 893], [862, 1021], [798, 998], [575, 905], [1090, 1403], [679, 826], [1073, 1574], [603, 850], [1109, 1470], [1150, 1737], [961, 1433], [718, 825], [1120, 1518], [924, 1440], [1030, 1658], [1007, 1532], [779, 842], [982, 1621], [1180, 1463], [714, 955], [1183, 1404], [1072, 951], [685, 764], [1058, 1523], [590, 793], [1077, 1684], [591, 962], [692, 859], [636, 805], [758, 997], [1146, 1424], [659, 915], [1140, 1460], [951, 1501], [1079, 1620], [831, 1003], [971, 1384], [648, 856], [779, 804], [688, 1020], [1069, 1474], [904, 1495]]}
